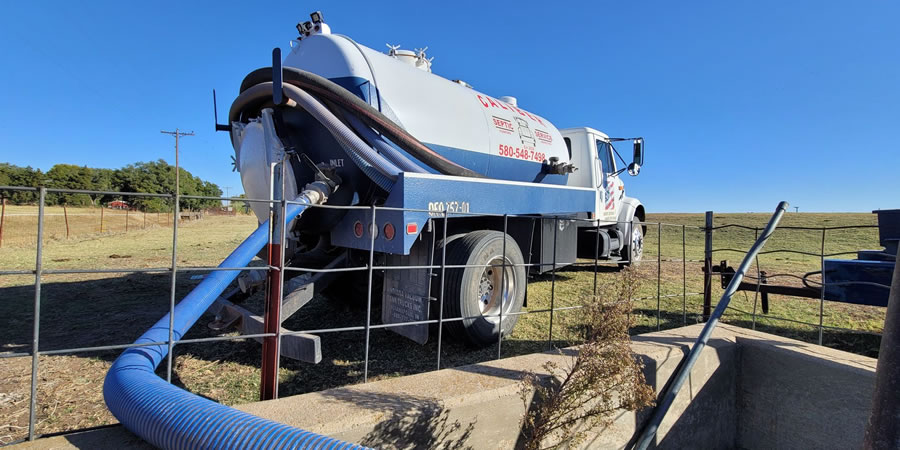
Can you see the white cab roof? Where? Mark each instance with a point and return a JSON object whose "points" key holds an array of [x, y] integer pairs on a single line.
{"points": [[578, 130]]}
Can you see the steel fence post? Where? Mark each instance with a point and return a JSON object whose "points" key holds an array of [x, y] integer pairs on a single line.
{"points": [[596, 257], [758, 282], [2, 218], [822, 291], [553, 284], [443, 280], [683, 278], [503, 286], [658, 272], [707, 266], [36, 332], [373, 230], [101, 219], [172, 284]]}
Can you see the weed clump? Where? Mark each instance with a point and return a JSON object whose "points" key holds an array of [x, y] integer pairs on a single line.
{"points": [[604, 377]]}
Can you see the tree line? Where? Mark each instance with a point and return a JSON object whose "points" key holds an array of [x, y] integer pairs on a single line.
{"points": [[153, 177]]}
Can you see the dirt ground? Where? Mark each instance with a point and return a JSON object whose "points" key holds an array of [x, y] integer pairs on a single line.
{"points": [[84, 310]]}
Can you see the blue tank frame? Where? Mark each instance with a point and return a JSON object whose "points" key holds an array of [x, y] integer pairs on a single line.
{"points": [[415, 198]]}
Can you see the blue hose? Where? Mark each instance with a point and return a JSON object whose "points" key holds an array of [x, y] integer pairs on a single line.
{"points": [[169, 417]]}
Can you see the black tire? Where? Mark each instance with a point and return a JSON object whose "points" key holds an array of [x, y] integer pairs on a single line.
{"points": [[471, 292], [634, 247]]}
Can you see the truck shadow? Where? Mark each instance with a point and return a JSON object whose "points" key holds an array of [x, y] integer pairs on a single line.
{"points": [[411, 421]]}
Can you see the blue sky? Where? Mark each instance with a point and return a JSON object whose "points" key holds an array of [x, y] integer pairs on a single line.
{"points": [[742, 104]]}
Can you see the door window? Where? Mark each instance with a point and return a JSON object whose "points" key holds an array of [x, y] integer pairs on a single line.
{"points": [[604, 152]]}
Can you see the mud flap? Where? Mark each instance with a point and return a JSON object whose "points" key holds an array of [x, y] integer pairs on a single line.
{"points": [[406, 292]]}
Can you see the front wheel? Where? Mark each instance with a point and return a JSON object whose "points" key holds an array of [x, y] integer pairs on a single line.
{"points": [[634, 247], [481, 292]]}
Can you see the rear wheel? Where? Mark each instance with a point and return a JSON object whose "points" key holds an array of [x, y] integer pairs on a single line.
{"points": [[480, 293]]}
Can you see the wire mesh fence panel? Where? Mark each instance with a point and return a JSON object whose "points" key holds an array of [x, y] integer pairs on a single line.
{"points": [[100, 290], [794, 257]]}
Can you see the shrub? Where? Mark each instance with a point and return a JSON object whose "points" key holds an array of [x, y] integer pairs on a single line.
{"points": [[604, 377]]}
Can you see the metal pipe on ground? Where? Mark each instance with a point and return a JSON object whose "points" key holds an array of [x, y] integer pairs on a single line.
{"points": [[667, 397], [883, 429]]}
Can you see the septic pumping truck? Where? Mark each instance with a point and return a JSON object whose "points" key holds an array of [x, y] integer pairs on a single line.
{"points": [[465, 179], [376, 180]]}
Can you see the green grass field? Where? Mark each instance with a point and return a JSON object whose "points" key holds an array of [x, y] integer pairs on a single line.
{"points": [[82, 310]]}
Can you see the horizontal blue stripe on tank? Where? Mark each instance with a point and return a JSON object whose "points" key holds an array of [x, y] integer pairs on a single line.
{"points": [[499, 167]]}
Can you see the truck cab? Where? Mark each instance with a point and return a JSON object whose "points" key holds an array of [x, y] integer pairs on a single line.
{"points": [[617, 218]]}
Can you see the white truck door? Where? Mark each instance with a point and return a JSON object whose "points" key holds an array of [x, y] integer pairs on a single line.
{"points": [[607, 183]]}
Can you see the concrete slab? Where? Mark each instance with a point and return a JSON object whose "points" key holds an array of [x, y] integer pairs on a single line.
{"points": [[748, 390]]}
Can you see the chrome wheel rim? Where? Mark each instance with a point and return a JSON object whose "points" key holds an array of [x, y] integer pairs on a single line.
{"points": [[637, 243], [496, 289]]}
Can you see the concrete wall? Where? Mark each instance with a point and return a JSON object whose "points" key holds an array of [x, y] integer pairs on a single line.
{"points": [[748, 390], [480, 405], [798, 395]]}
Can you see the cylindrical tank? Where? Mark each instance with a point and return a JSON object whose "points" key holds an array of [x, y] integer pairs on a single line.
{"points": [[477, 131]]}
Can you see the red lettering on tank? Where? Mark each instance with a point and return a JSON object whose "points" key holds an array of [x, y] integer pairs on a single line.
{"points": [[488, 102]]}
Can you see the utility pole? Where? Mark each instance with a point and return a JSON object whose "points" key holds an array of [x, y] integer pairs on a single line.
{"points": [[177, 133]]}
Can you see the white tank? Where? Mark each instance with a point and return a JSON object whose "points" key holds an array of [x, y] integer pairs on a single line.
{"points": [[475, 130]]}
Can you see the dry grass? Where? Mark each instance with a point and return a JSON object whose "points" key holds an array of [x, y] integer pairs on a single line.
{"points": [[20, 223], [88, 310]]}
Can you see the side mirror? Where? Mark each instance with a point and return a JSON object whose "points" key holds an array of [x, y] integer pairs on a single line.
{"points": [[638, 153], [634, 169]]}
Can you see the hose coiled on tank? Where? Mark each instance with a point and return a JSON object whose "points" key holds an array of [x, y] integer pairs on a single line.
{"points": [[355, 147], [374, 165], [380, 144], [169, 417], [373, 118]]}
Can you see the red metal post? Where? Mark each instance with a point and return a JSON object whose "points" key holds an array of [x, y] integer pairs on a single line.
{"points": [[66, 216], [268, 385], [269, 381]]}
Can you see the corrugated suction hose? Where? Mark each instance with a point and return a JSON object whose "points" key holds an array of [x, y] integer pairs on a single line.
{"points": [[332, 92], [169, 417]]}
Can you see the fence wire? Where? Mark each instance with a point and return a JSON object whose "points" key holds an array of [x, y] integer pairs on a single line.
{"points": [[434, 268]]}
